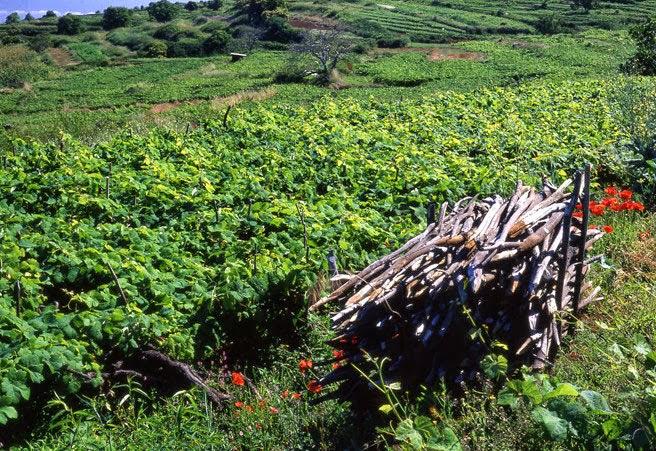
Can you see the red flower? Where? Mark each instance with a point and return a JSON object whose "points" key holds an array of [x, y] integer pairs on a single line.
{"points": [[579, 206], [273, 409], [637, 206], [617, 207], [238, 378], [284, 394], [314, 386], [239, 404], [249, 408], [597, 209], [296, 396], [626, 194], [336, 365], [611, 191], [609, 201], [577, 214], [607, 229], [304, 365], [339, 353], [644, 235]]}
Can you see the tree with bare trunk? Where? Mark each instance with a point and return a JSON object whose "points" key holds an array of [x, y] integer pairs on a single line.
{"points": [[325, 48]]}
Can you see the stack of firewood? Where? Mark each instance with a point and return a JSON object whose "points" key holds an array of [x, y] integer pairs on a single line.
{"points": [[498, 270]]}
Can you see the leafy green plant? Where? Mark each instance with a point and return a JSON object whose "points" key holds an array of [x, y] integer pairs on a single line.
{"points": [[411, 431]]}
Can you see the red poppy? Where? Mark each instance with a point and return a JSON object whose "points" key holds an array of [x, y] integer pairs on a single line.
{"points": [[607, 229], [626, 194], [579, 206], [617, 207], [609, 201], [339, 353], [597, 209], [336, 365], [237, 378], [314, 386], [239, 404], [273, 409], [578, 214], [304, 365], [284, 394], [611, 191], [296, 396], [637, 206]]}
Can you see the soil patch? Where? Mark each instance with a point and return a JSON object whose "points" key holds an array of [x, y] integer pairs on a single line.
{"points": [[442, 54], [311, 23], [62, 57]]}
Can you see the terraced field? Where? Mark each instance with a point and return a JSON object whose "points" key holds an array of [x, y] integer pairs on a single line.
{"points": [[439, 21]]}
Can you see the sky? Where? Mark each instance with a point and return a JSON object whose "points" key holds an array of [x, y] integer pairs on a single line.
{"points": [[39, 7]]}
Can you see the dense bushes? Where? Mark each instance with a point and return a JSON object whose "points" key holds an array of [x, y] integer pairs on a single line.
{"points": [[162, 11], [115, 17], [69, 24], [393, 42], [644, 60], [549, 24], [19, 65]]}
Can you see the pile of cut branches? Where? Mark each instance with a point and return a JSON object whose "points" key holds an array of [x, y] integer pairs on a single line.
{"points": [[496, 270]]}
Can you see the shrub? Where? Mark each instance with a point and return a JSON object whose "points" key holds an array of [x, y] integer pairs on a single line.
{"points": [[644, 60], [549, 24], [116, 17], [19, 65], [28, 17], [214, 4], [393, 42], [259, 11], [130, 39], [49, 14], [88, 53], [363, 46], [155, 49], [69, 24], [12, 18], [40, 43], [162, 11], [293, 72], [168, 32], [185, 47], [278, 29], [216, 42], [191, 6]]}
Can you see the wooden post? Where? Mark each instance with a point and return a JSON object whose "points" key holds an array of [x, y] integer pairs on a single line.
{"points": [[430, 214], [305, 237], [567, 223], [332, 263], [17, 297], [576, 297]]}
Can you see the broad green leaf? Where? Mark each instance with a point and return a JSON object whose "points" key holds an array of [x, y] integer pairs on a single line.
{"points": [[595, 401], [386, 408], [555, 426], [562, 390], [612, 428]]}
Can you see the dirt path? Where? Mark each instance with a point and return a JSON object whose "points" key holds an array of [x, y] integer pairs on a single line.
{"points": [[62, 57]]}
